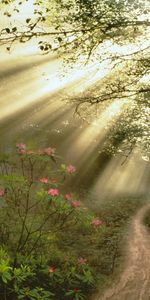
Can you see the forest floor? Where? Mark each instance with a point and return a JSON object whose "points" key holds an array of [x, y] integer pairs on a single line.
{"points": [[134, 282]]}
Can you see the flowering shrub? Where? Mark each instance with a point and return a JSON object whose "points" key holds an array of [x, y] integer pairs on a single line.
{"points": [[49, 151], [42, 254], [82, 261], [75, 204], [53, 192], [68, 196], [44, 180], [96, 222], [52, 247], [70, 169], [2, 192]]}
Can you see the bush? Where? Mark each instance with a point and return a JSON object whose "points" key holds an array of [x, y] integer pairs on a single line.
{"points": [[43, 230]]}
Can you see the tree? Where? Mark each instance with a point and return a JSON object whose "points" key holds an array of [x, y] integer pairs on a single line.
{"points": [[82, 24], [83, 27]]}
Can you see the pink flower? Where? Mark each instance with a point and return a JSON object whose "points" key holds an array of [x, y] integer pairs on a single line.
{"points": [[75, 204], [53, 192], [75, 290], [70, 169], [49, 151], [2, 192], [21, 146], [44, 180], [82, 261], [51, 269], [96, 222], [68, 196]]}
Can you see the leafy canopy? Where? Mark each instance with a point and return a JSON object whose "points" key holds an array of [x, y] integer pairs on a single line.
{"points": [[115, 31]]}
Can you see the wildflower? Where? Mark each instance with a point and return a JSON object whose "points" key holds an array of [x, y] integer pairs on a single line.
{"points": [[70, 169], [75, 204], [21, 146], [96, 222], [53, 192], [2, 192], [44, 180], [75, 290], [51, 269], [82, 261], [68, 196], [49, 151]]}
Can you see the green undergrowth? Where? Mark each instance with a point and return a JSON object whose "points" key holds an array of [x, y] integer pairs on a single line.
{"points": [[52, 246], [110, 253], [147, 220]]}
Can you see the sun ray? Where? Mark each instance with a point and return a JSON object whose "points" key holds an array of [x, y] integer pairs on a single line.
{"points": [[118, 179], [34, 89], [96, 132]]}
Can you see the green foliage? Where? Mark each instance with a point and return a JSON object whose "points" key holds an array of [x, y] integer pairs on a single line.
{"points": [[35, 218], [52, 247], [37, 293], [147, 220], [79, 25], [5, 269], [130, 131], [123, 86]]}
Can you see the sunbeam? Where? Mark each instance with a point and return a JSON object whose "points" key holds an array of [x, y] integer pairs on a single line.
{"points": [[95, 133], [46, 76], [116, 181], [38, 92], [74, 151]]}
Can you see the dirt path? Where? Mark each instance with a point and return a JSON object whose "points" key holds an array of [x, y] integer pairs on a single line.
{"points": [[134, 283]]}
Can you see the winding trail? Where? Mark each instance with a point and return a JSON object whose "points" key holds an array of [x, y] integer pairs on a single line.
{"points": [[134, 283]]}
